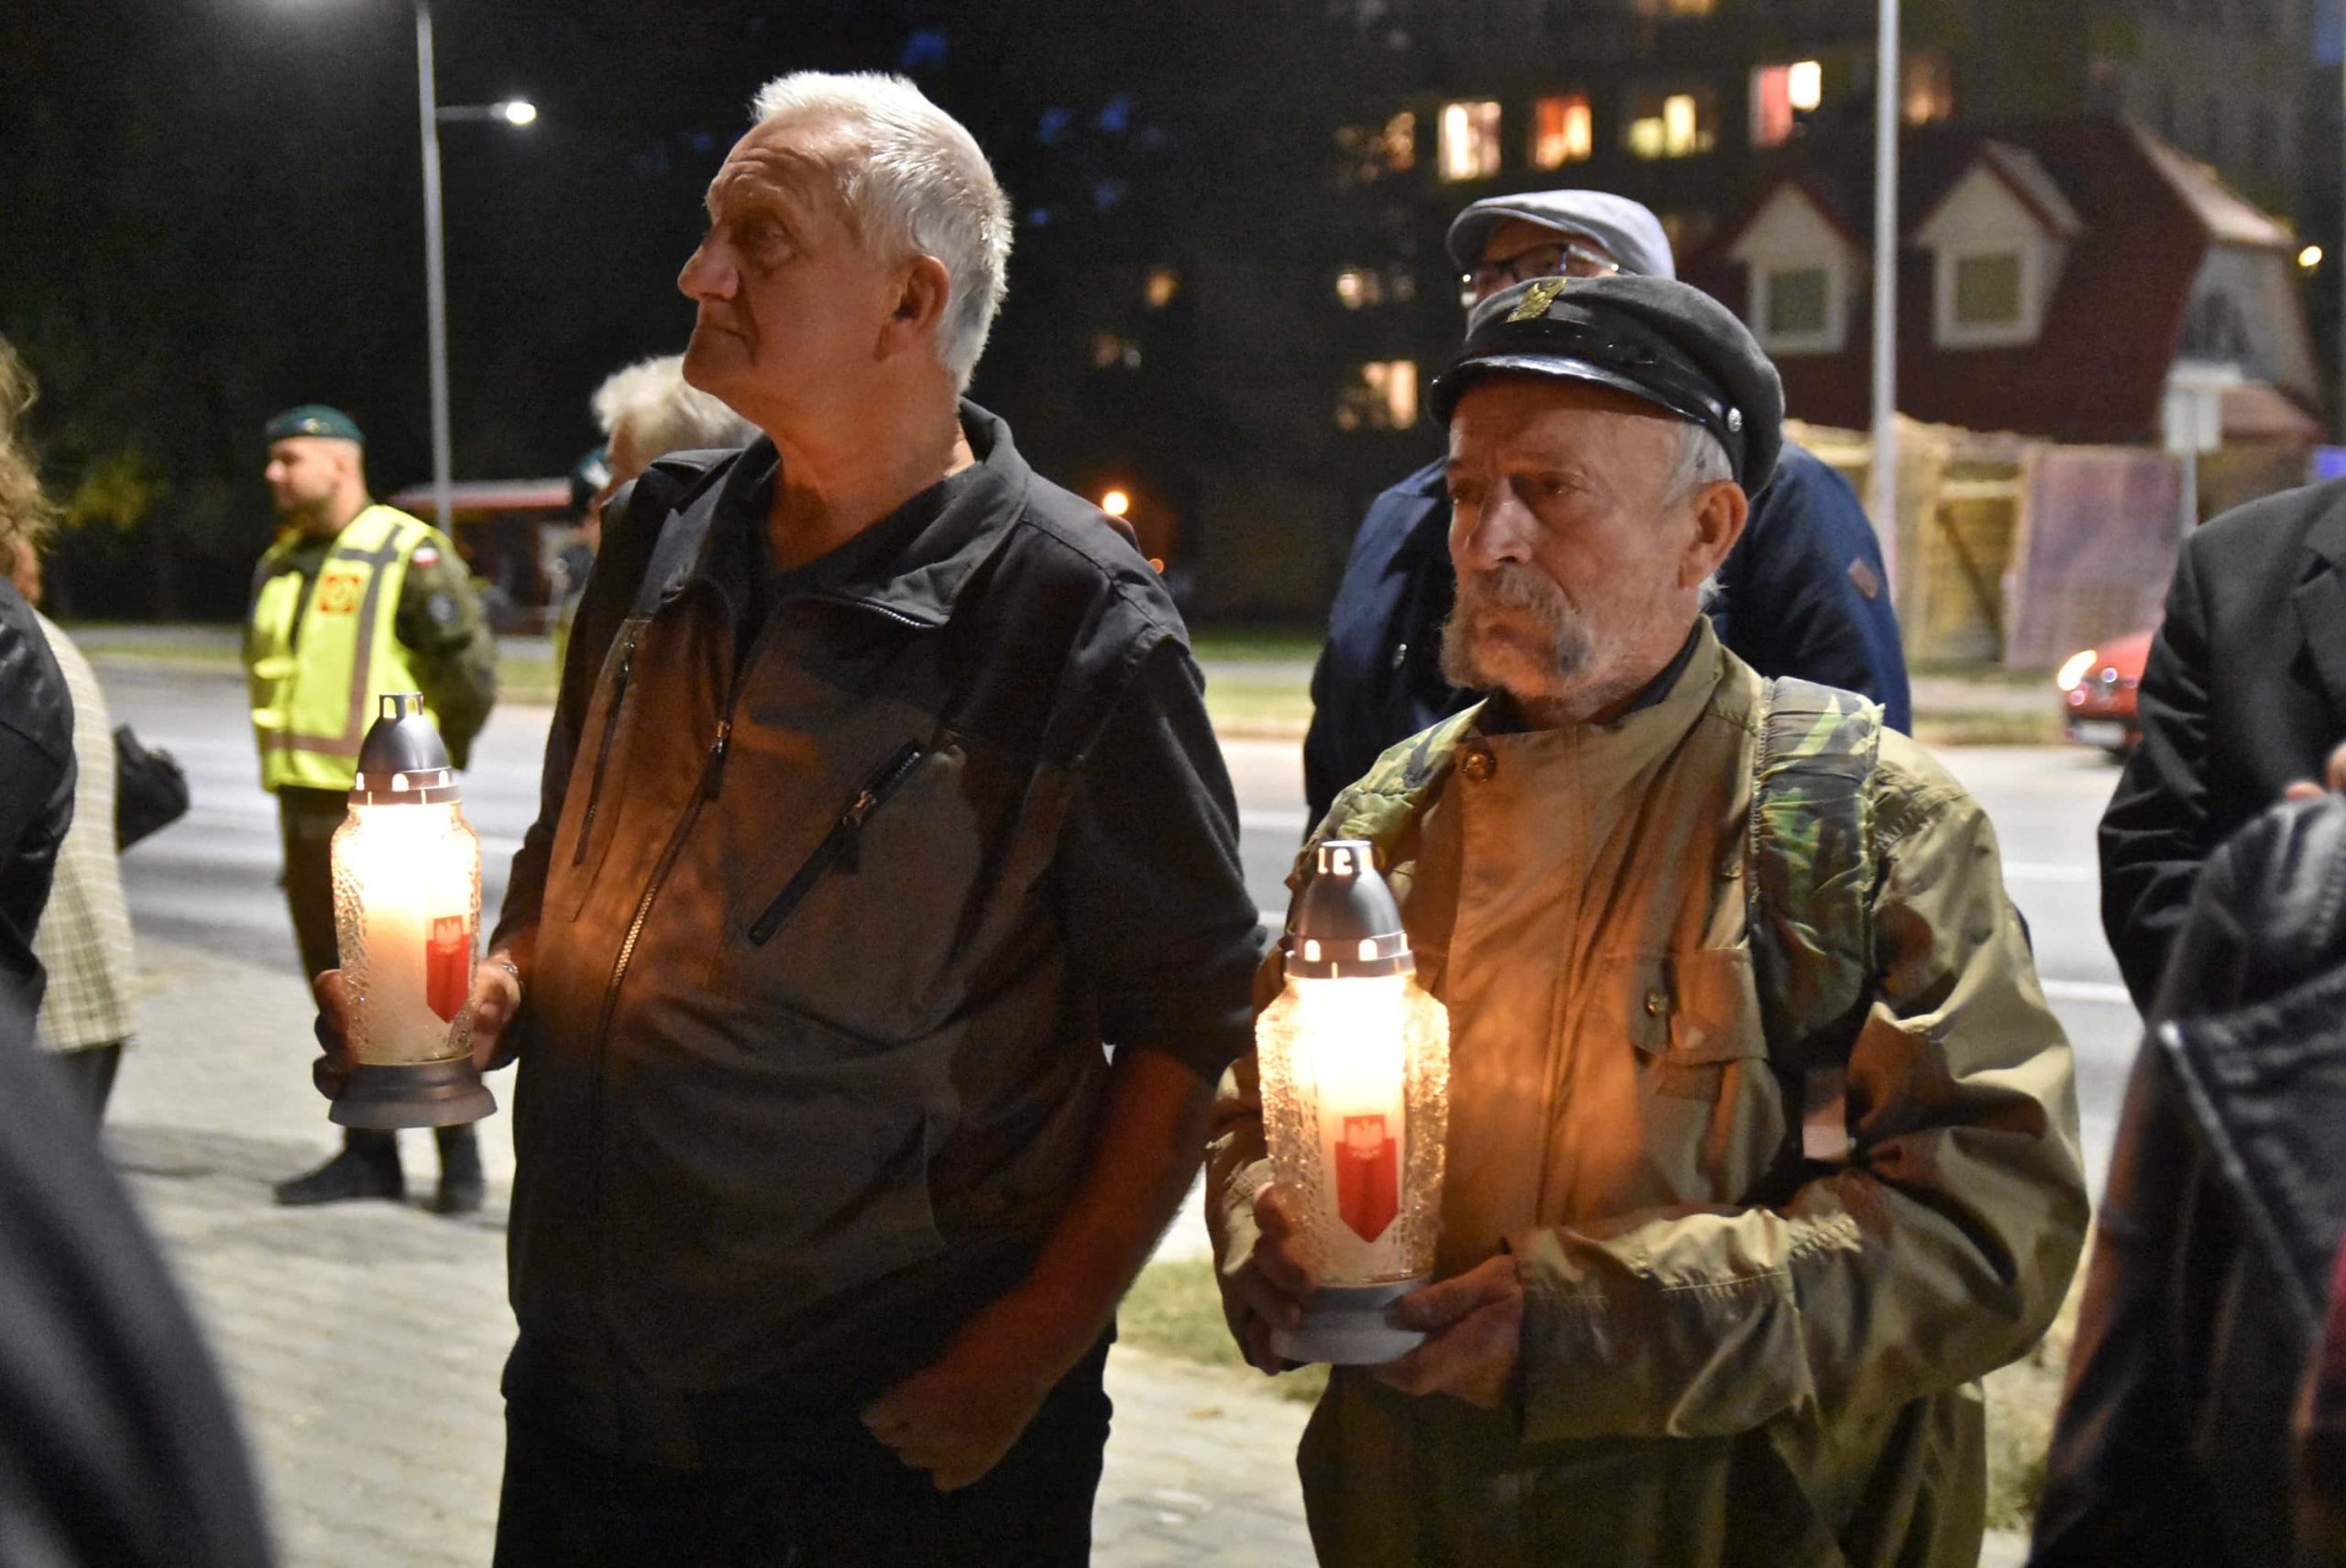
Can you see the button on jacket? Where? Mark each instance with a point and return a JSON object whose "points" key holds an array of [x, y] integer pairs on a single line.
{"points": [[836, 901], [1717, 1365], [1803, 594]]}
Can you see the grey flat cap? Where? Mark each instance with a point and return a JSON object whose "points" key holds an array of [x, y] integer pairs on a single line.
{"points": [[1627, 230]]}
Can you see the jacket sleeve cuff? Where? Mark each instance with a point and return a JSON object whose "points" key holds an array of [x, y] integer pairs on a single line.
{"points": [[1610, 1347]]}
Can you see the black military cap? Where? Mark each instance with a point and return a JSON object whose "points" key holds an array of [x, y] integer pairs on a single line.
{"points": [[1654, 338], [313, 418]]}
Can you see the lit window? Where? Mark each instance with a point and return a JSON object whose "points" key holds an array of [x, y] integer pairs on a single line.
{"points": [[1564, 130], [1371, 152], [1469, 140], [1987, 289], [1159, 286], [1928, 90], [1798, 304], [1382, 395], [1772, 105], [1110, 351], [1672, 124], [1805, 81]]}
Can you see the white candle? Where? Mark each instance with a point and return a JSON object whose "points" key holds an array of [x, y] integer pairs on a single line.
{"points": [[407, 886]]}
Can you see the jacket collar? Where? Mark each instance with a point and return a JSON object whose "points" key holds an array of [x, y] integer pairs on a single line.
{"points": [[714, 538]]}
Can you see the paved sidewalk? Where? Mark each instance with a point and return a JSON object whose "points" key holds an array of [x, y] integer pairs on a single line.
{"points": [[363, 1340]]}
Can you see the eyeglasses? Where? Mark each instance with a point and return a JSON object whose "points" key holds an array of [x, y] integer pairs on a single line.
{"points": [[1564, 258]]}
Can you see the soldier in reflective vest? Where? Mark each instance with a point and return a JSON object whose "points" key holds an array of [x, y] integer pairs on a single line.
{"points": [[355, 598]]}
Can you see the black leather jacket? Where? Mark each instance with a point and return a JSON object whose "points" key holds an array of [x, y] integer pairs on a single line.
{"points": [[36, 787], [2226, 1199]]}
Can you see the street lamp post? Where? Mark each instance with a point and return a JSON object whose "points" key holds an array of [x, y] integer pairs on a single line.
{"points": [[436, 271], [514, 112], [1884, 485]]}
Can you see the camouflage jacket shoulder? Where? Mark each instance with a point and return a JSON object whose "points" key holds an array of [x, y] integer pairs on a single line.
{"points": [[1384, 805]]}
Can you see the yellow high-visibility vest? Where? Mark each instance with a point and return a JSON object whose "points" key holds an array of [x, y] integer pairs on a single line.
{"points": [[316, 660]]}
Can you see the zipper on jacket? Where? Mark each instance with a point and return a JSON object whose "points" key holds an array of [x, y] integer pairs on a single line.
{"points": [[841, 841], [603, 751]]}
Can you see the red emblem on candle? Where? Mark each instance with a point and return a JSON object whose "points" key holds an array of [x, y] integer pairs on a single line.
{"points": [[1368, 1168], [447, 965]]}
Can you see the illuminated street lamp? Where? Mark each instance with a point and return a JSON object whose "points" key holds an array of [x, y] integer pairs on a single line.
{"points": [[1355, 1058], [1117, 503], [407, 918], [516, 112]]}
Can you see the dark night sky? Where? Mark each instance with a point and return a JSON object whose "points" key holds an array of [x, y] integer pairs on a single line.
{"points": [[213, 210]]}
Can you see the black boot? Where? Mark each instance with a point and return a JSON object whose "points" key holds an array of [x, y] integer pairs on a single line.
{"points": [[462, 1187], [368, 1167]]}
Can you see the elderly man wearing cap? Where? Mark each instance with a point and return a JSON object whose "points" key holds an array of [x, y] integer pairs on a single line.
{"points": [[353, 599], [1762, 1141], [1802, 592]]}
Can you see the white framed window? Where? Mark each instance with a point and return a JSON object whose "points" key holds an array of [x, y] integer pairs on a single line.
{"points": [[1989, 297], [1987, 289], [1799, 307], [1801, 264], [1469, 146]]}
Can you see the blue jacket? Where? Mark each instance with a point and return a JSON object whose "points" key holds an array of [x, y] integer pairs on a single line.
{"points": [[1795, 603]]}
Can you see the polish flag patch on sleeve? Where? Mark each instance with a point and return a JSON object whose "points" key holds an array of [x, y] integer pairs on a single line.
{"points": [[426, 556]]}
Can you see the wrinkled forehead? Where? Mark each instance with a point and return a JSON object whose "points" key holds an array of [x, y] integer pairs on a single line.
{"points": [[796, 161]]}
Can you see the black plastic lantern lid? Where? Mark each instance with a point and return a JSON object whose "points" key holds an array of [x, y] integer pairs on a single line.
{"points": [[1345, 925], [403, 762]]}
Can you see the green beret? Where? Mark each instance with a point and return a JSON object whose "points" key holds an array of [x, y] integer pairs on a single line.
{"points": [[1654, 338], [313, 418]]}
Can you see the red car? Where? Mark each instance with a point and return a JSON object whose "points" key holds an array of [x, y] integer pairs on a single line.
{"points": [[2098, 688]]}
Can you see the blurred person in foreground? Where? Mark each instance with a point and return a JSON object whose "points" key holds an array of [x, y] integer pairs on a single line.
{"points": [[2178, 1440], [36, 768], [118, 1448], [645, 412], [1803, 593], [355, 598], [880, 796], [83, 942], [1762, 1141]]}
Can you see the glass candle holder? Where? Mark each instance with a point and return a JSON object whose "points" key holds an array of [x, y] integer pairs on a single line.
{"points": [[1353, 1059], [407, 919]]}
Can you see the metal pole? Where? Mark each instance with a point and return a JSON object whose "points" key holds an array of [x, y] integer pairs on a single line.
{"points": [[435, 281], [2338, 256], [1884, 485]]}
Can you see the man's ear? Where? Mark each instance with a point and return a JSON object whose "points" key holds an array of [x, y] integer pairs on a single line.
{"points": [[1720, 513], [923, 290]]}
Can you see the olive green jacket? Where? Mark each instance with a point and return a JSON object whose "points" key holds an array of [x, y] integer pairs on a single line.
{"points": [[1724, 1358]]}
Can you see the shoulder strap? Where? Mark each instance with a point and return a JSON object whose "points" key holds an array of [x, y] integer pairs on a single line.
{"points": [[1811, 888]]}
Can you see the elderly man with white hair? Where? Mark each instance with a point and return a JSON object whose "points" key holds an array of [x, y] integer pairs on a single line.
{"points": [[882, 934], [645, 412]]}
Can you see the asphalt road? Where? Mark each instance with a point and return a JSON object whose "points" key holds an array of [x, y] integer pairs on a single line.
{"points": [[210, 881]]}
